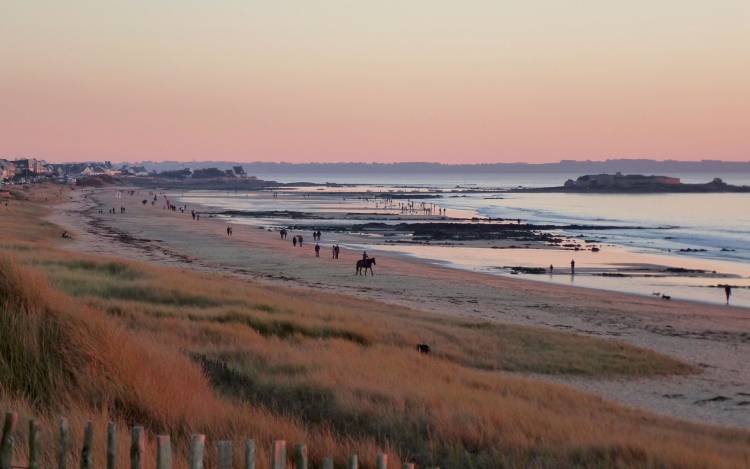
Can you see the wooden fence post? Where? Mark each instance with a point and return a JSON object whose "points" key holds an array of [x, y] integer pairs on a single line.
{"points": [[86, 449], [63, 444], [7, 440], [111, 445], [328, 463], [163, 452], [224, 453], [197, 443], [35, 445], [136, 448], [382, 461], [300, 456], [353, 462], [278, 460], [249, 454]]}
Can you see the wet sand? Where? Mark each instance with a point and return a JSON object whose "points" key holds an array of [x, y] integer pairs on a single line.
{"points": [[715, 338]]}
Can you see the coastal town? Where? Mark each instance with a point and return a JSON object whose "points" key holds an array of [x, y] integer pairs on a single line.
{"points": [[32, 170]]}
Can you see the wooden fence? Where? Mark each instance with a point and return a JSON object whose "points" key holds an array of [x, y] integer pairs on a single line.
{"points": [[224, 448]]}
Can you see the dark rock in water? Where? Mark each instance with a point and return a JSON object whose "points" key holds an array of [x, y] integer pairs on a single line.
{"points": [[528, 270], [712, 399], [636, 183], [681, 270]]}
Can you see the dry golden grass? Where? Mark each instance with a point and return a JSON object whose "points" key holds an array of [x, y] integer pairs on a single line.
{"points": [[181, 352]]}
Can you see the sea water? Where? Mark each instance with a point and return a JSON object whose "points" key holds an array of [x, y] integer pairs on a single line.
{"points": [[699, 231]]}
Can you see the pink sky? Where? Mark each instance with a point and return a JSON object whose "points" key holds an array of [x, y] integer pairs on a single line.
{"points": [[393, 81]]}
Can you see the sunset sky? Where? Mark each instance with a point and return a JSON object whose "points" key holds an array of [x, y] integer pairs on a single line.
{"points": [[416, 80]]}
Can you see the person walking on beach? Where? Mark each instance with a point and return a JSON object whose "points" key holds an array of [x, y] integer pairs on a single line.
{"points": [[551, 268], [572, 267], [317, 250], [336, 249], [299, 240], [294, 241], [728, 292]]}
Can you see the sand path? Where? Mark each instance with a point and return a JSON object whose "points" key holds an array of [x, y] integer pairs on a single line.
{"points": [[715, 338]]}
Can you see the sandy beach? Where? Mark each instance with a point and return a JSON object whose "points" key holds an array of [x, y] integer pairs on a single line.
{"points": [[711, 337]]}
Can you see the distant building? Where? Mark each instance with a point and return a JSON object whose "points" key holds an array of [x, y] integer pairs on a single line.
{"points": [[7, 170], [96, 169], [25, 168]]}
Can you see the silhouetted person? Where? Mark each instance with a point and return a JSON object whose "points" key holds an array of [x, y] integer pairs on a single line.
{"points": [[317, 250], [294, 241], [551, 268], [572, 267], [728, 292], [364, 255]]}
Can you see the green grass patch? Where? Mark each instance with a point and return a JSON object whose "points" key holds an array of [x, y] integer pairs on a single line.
{"points": [[115, 270], [283, 329], [109, 290], [526, 349]]}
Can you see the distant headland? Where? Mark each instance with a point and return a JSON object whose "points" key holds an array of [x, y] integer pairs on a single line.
{"points": [[624, 165]]}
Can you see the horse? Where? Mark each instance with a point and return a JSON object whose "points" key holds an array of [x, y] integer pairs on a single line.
{"points": [[364, 264]]}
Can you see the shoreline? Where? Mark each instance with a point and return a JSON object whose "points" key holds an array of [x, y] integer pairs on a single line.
{"points": [[709, 336], [526, 249]]}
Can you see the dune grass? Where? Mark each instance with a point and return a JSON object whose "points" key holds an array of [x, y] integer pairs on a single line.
{"points": [[179, 351]]}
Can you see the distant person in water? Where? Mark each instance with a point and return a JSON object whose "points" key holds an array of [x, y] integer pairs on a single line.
{"points": [[728, 292], [572, 267], [317, 250]]}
